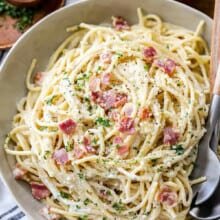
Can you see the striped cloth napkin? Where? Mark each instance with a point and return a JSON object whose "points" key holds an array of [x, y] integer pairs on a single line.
{"points": [[9, 210]]}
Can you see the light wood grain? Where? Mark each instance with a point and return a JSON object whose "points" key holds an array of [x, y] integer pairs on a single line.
{"points": [[216, 89], [215, 45]]}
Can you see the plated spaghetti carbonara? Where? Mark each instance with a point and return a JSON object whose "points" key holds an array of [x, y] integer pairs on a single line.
{"points": [[110, 129]]}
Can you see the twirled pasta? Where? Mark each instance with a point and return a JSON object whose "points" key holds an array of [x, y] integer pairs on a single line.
{"points": [[134, 99]]}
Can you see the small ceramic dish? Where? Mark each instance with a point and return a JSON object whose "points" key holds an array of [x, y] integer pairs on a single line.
{"points": [[9, 33]]}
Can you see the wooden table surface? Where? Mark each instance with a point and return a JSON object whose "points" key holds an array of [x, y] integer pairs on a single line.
{"points": [[206, 6]]}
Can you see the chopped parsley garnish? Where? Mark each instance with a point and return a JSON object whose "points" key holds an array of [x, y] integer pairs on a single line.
{"points": [[85, 217], [153, 161], [179, 150], [99, 68], [147, 67], [84, 76], [119, 54], [87, 201], [102, 121], [81, 79], [118, 206], [42, 128], [81, 175], [108, 193], [69, 146], [51, 100], [95, 141], [86, 99], [178, 84], [104, 218], [78, 207], [64, 195], [47, 154], [24, 16]]}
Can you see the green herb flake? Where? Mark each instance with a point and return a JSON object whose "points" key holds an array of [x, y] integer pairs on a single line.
{"points": [[69, 146], [64, 195], [153, 161], [102, 121], [84, 217], [108, 192], [104, 218], [47, 154], [147, 67], [99, 68], [84, 76], [86, 99], [179, 150], [178, 84], [51, 100], [120, 55], [95, 141], [78, 207], [87, 201], [42, 128], [118, 206], [81, 176]]}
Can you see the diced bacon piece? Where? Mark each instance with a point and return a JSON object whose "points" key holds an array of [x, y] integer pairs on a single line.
{"points": [[19, 172], [128, 109], [123, 150], [106, 80], [167, 197], [47, 214], [79, 152], [88, 147], [170, 136], [39, 190], [61, 156], [149, 54], [117, 140], [109, 99], [120, 23], [39, 78], [68, 127], [168, 66], [114, 115], [94, 84], [127, 125], [106, 57], [96, 96], [86, 141], [144, 113], [121, 99]]}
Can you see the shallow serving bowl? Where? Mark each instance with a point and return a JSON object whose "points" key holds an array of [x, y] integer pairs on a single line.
{"points": [[40, 42]]}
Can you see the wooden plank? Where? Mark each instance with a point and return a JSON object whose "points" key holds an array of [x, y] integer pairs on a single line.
{"points": [[207, 6]]}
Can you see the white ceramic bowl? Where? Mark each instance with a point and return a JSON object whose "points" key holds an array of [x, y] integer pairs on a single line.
{"points": [[40, 42]]}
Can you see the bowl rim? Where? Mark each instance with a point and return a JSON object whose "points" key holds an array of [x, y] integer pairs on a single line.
{"points": [[39, 23]]}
